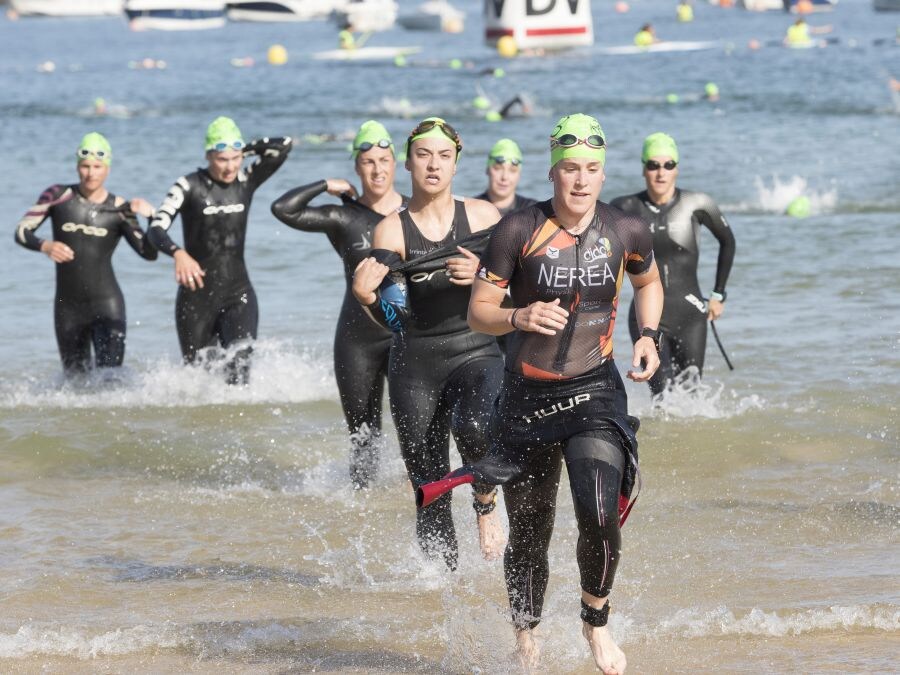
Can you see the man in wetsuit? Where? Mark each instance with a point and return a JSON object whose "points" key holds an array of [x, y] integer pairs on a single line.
{"points": [[361, 346], [675, 217], [443, 377], [504, 169], [216, 303], [88, 222], [563, 261]]}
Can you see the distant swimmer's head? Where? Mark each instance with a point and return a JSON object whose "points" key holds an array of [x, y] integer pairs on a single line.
{"points": [[577, 159], [504, 169], [224, 149], [432, 151], [373, 152], [94, 157], [94, 146], [711, 91], [659, 158]]}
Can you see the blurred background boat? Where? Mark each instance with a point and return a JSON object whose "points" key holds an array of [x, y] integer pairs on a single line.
{"points": [[280, 10], [434, 15], [65, 7], [175, 14]]}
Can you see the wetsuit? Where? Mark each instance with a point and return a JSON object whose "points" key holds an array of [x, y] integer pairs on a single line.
{"points": [[562, 396], [443, 377], [676, 242], [519, 202], [214, 222], [361, 346], [89, 307]]}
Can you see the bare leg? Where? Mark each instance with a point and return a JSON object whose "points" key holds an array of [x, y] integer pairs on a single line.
{"points": [[528, 652], [607, 655], [490, 533]]}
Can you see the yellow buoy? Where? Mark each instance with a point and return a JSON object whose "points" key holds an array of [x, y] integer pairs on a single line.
{"points": [[277, 55], [507, 47]]}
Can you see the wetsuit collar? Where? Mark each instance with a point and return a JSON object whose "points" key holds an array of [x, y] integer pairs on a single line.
{"points": [[645, 196], [204, 173]]}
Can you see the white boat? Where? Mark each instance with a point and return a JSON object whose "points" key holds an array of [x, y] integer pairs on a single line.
{"points": [[666, 46], [886, 5], [366, 16], [175, 14], [762, 5], [65, 7], [436, 15], [365, 54], [280, 10]]}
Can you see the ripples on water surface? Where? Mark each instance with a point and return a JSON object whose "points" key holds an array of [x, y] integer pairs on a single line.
{"points": [[158, 520]]}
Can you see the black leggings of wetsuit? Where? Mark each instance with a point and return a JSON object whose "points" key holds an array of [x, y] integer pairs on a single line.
{"points": [[440, 385], [594, 461], [99, 322], [682, 344], [234, 319]]}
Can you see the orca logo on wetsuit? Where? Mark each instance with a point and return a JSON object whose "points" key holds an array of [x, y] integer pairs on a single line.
{"points": [[419, 277], [225, 208], [86, 229]]}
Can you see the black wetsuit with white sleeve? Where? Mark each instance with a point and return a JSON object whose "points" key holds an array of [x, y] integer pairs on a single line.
{"points": [[214, 222], [89, 308], [676, 228], [361, 346]]}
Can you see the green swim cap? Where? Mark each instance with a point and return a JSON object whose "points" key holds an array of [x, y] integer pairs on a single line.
{"points": [[659, 145], [581, 127], [94, 144], [223, 130], [505, 149], [799, 207], [435, 127], [711, 89], [372, 134]]}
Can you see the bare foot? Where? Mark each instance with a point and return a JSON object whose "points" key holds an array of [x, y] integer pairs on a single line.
{"points": [[609, 658], [528, 653], [491, 536]]}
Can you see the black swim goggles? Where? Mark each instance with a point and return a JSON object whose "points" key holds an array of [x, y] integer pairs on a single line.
{"points": [[384, 143], [428, 125], [222, 146], [500, 159], [84, 153], [653, 165], [571, 140]]}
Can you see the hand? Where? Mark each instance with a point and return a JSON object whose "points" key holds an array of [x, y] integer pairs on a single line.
{"points": [[366, 279], [715, 309], [644, 353], [57, 251], [462, 270], [141, 207], [339, 186], [187, 271], [542, 317]]}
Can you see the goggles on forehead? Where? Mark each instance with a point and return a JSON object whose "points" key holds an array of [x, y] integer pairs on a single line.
{"points": [[500, 159], [653, 165], [571, 140], [428, 125]]}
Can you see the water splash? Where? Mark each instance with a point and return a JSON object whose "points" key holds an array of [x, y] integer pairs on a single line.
{"points": [[775, 197], [689, 396]]}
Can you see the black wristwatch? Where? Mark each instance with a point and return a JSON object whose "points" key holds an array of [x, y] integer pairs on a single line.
{"points": [[653, 335]]}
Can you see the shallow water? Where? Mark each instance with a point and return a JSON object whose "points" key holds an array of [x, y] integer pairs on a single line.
{"points": [[158, 520]]}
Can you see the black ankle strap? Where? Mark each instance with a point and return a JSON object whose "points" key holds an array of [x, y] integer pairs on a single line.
{"points": [[483, 509], [594, 617]]}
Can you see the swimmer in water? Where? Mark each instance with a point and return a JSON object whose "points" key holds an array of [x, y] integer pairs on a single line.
{"points": [[443, 377], [361, 346], [88, 222], [216, 304], [675, 217]]}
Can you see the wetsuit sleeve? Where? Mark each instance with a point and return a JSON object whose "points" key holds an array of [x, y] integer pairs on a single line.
{"points": [[272, 153], [158, 232], [134, 235], [37, 214], [710, 216], [638, 245], [292, 208], [390, 308], [502, 255]]}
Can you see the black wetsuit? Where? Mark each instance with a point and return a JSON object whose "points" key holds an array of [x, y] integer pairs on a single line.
{"points": [[562, 397], [89, 307], [519, 202], [676, 243], [443, 377], [214, 222], [361, 346]]}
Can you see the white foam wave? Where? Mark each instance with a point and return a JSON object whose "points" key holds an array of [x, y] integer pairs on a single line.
{"points": [[689, 396], [722, 621], [401, 107], [776, 197], [34, 639], [280, 374]]}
